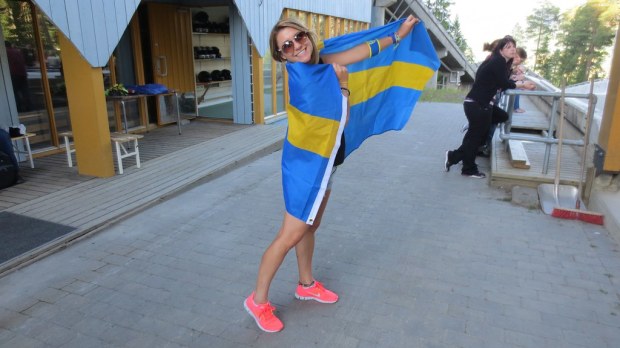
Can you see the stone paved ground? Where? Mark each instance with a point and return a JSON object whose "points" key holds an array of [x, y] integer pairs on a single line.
{"points": [[420, 258]]}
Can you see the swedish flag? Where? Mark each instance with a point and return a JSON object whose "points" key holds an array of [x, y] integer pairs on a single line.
{"points": [[384, 90]]}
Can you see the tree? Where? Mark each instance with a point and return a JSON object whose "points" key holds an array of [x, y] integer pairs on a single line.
{"points": [[441, 10], [519, 35], [457, 34], [541, 25], [585, 34], [544, 58]]}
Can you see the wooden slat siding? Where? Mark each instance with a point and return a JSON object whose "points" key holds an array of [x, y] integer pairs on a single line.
{"points": [[83, 23], [72, 31], [110, 17], [241, 69], [93, 26], [99, 200], [102, 28], [260, 19], [86, 24]]}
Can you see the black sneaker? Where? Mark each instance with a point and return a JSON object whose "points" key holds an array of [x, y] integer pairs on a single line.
{"points": [[476, 175], [447, 163], [484, 151]]}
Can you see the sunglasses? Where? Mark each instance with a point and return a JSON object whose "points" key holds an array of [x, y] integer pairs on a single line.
{"points": [[288, 47]]}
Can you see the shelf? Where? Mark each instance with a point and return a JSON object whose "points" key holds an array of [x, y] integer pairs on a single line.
{"points": [[215, 59], [197, 33], [211, 83], [214, 98]]}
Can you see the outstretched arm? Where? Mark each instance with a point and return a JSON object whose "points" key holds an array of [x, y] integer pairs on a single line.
{"points": [[361, 51], [343, 79]]}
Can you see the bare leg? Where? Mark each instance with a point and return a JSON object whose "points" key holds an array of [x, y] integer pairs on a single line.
{"points": [[305, 248], [291, 232]]}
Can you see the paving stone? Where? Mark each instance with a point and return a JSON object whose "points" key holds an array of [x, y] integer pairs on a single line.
{"points": [[420, 258]]}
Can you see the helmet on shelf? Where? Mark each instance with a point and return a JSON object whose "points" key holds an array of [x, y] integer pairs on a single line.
{"points": [[204, 76]]}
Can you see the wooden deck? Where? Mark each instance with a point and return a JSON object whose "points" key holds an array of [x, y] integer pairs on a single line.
{"points": [[533, 121], [504, 174], [51, 173], [171, 163]]}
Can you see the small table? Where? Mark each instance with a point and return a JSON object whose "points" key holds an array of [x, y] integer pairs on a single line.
{"points": [[123, 98], [28, 151]]}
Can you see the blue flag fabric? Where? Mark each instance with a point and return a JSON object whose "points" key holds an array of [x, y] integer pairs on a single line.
{"points": [[384, 90]]}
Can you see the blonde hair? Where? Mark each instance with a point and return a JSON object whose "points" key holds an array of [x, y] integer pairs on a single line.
{"points": [[295, 24]]}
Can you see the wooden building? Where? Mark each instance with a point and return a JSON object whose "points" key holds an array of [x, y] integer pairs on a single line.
{"points": [[61, 56]]}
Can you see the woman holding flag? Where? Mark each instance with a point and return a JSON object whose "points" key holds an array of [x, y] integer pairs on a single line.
{"points": [[291, 42]]}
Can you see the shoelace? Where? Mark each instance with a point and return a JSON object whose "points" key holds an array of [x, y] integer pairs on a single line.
{"points": [[318, 288], [266, 311]]}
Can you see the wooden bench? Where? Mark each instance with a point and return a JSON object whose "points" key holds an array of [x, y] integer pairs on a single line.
{"points": [[25, 139], [121, 152], [518, 157]]}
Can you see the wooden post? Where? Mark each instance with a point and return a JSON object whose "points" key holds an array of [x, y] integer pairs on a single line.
{"points": [[609, 134], [88, 112]]}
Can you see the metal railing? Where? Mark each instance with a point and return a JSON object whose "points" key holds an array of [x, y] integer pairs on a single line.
{"points": [[507, 103]]}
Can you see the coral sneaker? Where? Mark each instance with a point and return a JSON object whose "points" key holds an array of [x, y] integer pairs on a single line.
{"points": [[316, 292], [263, 315]]}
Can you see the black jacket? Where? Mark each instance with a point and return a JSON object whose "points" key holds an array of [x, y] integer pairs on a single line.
{"points": [[492, 75]]}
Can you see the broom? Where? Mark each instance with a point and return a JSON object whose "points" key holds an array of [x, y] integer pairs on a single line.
{"points": [[577, 213]]}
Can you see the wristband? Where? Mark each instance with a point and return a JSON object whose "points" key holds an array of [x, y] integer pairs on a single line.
{"points": [[346, 89], [374, 47]]}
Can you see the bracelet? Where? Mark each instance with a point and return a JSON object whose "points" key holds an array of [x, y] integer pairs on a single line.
{"points": [[395, 38], [346, 89]]}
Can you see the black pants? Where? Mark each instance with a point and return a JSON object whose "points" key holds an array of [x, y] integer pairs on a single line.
{"points": [[497, 116], [479, 122]]}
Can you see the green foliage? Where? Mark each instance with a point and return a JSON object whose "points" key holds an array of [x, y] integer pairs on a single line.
{"points": [[116, 90], [17, 22], [441, 10], [541, 26], [584, 50], [573, 45], [446, 95], [16, 18]]}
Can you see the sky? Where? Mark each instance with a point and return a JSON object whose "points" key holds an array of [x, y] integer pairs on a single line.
{"points": [[486, 20]]}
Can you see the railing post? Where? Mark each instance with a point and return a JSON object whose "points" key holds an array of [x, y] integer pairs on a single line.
{"points": [[554, 108]]}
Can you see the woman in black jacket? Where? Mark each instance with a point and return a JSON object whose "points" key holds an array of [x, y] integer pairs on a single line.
{"points": [[492, 75]]}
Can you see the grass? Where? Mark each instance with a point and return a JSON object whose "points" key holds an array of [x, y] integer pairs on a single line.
{"points": [[443, 95]]}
